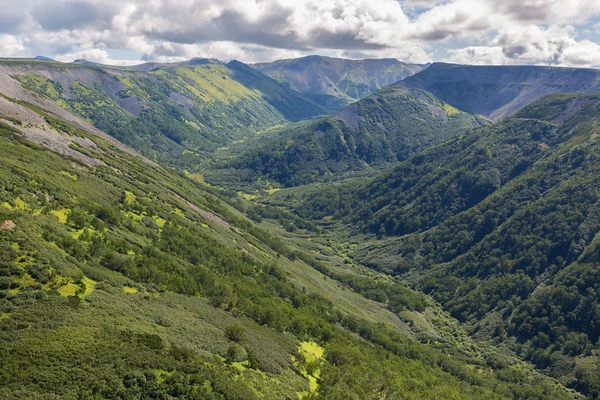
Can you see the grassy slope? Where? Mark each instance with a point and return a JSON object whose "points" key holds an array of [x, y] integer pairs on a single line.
{"points": [[175, 114]]}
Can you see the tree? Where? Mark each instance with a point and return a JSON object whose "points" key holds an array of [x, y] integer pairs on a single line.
{"points": [[235, 333]]}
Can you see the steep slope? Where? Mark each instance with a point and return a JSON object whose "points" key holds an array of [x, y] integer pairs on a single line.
{"points": [[122, 279], [173, 113], [388, 126], [499, 225], [335, 82], [500, 91]]}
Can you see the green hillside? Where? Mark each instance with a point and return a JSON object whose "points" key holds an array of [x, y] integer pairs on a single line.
{"points": [[500, 225], [335, 82], [176, 114], [386, 127], [120, 278]]}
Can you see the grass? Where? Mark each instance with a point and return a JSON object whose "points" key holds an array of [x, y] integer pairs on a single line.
{"points": [[20, 205], [247, 196], [208, 83], [450, 110], [159, 221], [312, 350], [130, 290], [69, 175], [90, 285], [61, 214], [129, 197], [68, 290], [197, 177]]}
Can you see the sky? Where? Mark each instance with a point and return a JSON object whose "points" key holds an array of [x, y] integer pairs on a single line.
{"points": [[124, 32]]}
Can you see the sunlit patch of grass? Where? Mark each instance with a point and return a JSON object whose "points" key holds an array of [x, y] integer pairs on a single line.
{"points": [[130, 290], [241, 366], [133, 216], [129, 197], [450, 110], [159, 221], [68, 290], [20, 205], [61, 214], [7, 205], [126, 81], [69, 175], [311, 351], [25, 280], [247, 196], [90, 285], [273, 190], [178, 211]]}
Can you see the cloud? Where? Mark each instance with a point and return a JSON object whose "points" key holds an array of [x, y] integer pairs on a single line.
{"points": [[532, 45], [545, 31], [11, 46], [97, 56]]}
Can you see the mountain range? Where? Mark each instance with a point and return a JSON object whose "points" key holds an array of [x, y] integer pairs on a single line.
{"points": [[313, 228], [337, 82]]}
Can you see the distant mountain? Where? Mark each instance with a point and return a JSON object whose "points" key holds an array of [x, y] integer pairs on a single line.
{"points": [[43, 58], [386, 127], [172, 113], [499, 91], [335, 82]]}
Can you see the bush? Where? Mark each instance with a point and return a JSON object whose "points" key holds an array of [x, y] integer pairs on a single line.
{"points": [[235, 333]]}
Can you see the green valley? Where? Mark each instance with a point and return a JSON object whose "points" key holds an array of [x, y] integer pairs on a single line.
{"points": [[200, 230]]}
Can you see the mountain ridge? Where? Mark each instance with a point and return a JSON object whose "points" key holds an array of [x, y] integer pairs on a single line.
{"points": [[337, 82], [499, 91]]}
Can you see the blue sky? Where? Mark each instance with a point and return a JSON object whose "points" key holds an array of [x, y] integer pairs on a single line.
{"points": [[544, 32]]}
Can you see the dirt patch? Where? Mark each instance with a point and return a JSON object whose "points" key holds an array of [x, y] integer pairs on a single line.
{"points": [[7, 225]]}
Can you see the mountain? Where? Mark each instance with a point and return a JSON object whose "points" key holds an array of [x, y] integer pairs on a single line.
{"points": [[386, 127], [335, 82], [500, 225], [500, 91], [120, 278], [173, 113]]}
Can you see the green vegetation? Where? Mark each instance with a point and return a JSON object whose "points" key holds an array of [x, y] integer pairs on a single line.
{"points": [[174, 114], [499, 225], [386, 127], [133, 281]]}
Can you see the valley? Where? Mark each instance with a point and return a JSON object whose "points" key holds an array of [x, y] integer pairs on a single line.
{"points": [[220, 230]]}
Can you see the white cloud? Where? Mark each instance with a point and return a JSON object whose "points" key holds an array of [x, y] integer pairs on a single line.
{"points": [[532, 45], [10, 46], [95, 55], [532, 31]]}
